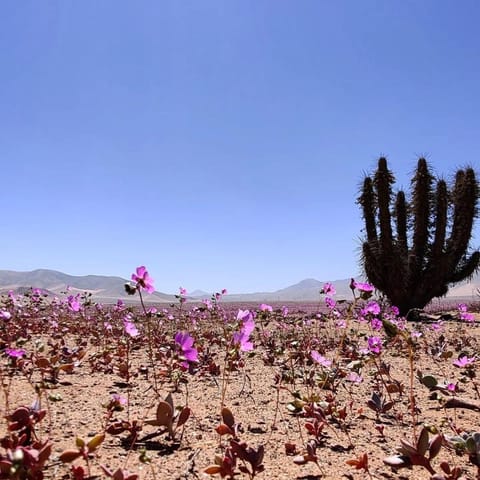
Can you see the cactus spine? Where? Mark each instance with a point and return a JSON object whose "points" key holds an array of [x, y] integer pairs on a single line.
{"points": [[427, 248]]}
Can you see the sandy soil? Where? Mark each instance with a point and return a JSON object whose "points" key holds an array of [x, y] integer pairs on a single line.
{"points": [[259, 390]]}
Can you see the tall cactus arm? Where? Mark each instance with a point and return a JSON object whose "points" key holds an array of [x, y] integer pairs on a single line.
{"points": [[417, 262], [373, 267], [401, 223], [465, 196], [367, 202], [420, 204], [383, 182], [466, 269], [436, 271], [441, 221]]}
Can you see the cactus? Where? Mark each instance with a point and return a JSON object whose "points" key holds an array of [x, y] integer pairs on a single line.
{"points": [[427, 248]]}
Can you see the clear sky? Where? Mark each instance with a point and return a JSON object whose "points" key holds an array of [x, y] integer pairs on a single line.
{"points": [[221, 143]]}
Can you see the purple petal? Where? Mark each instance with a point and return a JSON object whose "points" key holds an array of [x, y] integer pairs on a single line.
{"points": [[191, 354]]}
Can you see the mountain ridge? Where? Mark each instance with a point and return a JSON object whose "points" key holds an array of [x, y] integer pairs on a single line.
{"points": [[111, 288]]}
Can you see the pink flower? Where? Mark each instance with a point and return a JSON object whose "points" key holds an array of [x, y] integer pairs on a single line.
{"points": [[464, 361], [73, 304], [354, 377], [372, 308], [118, 399], [436, 326], [207, 303], [5, 315], [464, 314], [376, 324], [328, 289], [244, 315], [183, 291], [130, 328], [284, 310], [320, 359], [330, 302], [266, 308], [143, 279], [452, 387], [185, 342], [242, 339], [218, 295], [395, 311], [362, 287], [15, 352], [374, 344]]}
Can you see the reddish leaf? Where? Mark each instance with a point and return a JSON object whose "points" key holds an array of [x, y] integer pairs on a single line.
{"points": [[227, 417], [213, 470], [223, 429], [69, 456], [184, 416]]}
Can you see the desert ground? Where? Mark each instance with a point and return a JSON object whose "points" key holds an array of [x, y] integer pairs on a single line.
{"points": [[326, 391]]}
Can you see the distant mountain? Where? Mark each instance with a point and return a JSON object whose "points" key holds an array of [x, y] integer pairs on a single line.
{"points": [[109, 289], [199, 294], [102, 288], [307, 290]]}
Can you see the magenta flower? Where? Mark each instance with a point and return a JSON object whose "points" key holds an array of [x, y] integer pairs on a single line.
{"points": [[218, 295], [464, 361], [464, 314], [284, 310], [266, 308], [143, 279], [242, 339], [376, 324], [5, 315], [328, 289], [73, 304], [341, 324], [374, 344], [436, 326], [330, 302], [207, 303], [372, 308], [185, 342], [362, 287], [183, 291], [354, 377], [394, 310], [244, 315], [130, 328], [118, 399], [320, 359], [15, 352]]}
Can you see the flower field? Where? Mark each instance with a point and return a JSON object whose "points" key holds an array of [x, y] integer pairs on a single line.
{"points": [[343, 389]]}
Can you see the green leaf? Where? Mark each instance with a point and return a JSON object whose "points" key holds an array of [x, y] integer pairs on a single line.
{"points": [[429, 381], [95, 442], [80, 443]]}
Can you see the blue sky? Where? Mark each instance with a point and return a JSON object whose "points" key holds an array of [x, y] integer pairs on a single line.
{"points": [[221, 143]]}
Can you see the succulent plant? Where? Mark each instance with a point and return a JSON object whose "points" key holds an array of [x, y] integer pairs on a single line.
{"points": [[427, 247]]}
